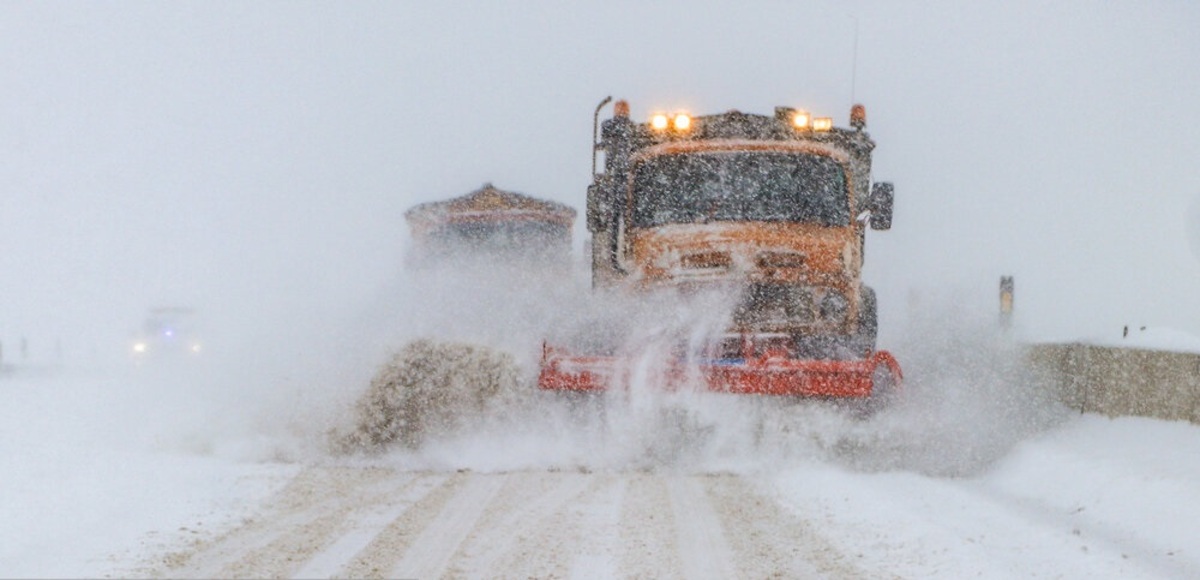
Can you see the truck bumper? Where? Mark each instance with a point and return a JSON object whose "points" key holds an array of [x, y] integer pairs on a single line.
{"points": [[777, 376]]}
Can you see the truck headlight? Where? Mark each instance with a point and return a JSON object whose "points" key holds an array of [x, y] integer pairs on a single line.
{"points": [[659, 122], [682, 122]]}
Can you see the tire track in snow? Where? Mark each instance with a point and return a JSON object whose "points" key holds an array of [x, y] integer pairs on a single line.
{"points": [[647, 530], [589, 536], [430, 554], [700, 535], [304, 516], [363, 529], [389, 545], [331, 512], [768, 541], [364, 522], [509, 539]]}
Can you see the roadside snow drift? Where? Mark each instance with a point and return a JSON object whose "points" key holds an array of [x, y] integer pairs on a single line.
{"points": [[431, 389]]}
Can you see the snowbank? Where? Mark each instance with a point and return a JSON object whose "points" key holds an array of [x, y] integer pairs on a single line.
{"points": [[1095, 498], [94, 476]]}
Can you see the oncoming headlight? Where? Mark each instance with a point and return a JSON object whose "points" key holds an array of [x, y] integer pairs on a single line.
{"points": [[659, 122], [139, 347], [834, 307]]}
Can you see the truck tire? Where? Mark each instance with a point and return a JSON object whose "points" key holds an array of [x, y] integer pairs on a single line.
{"points": [[863, 340], [868, 315]]}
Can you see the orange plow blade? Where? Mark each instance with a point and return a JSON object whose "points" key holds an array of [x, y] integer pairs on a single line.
{"points": [[767, 375]]}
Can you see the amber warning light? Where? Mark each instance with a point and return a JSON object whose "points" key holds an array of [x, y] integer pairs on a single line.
{"points": [[858, 116]]}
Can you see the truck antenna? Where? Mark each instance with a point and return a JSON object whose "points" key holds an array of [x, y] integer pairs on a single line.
{"points": [[854, 62], [596, 131]]}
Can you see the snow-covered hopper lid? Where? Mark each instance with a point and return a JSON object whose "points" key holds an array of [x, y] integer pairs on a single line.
{"points": [[488, 204]]}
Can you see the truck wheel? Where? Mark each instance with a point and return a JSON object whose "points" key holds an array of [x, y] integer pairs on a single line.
{"points": [[868, 315], [862, 342]]}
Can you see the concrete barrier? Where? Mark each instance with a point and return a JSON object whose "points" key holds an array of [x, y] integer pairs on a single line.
{"points": [[1121, 381]]}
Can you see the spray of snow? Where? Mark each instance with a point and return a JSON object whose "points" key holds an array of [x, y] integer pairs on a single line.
{"points": [[968, 397], [440, 373]]}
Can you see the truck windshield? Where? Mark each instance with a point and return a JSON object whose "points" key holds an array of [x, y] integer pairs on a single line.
{"points": [[740, 186]]}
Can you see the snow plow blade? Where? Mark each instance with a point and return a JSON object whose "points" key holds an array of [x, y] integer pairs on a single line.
{"points": [[769, 375]]}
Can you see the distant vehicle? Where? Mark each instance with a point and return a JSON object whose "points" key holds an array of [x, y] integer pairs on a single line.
{"points": [[500, 226], [168, 332]]}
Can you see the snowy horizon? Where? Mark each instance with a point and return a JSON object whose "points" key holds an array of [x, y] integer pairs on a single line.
{"points": [[255, 161]]}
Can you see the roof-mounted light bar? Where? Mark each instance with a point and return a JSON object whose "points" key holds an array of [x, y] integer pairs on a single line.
{"points": [[676, 121], [802, 120]]}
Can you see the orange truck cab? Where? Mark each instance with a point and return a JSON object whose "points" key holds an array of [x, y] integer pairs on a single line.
{"points": [[776, 207]]}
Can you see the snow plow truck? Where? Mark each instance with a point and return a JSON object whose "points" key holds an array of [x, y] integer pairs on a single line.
{"points": [[775, 206]]}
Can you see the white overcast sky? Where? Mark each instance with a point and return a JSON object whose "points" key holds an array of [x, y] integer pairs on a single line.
{"points": [[248, 157]]}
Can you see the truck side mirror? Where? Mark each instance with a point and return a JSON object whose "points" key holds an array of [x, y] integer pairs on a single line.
{"points": [[880, 204], [597, 217]]}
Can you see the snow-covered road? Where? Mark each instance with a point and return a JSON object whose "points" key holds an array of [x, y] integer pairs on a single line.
{"points": [[385, 523], [102, 479], [811, 522]]}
